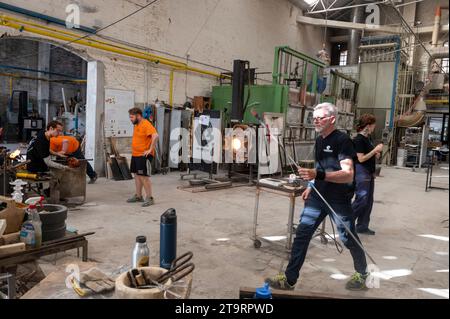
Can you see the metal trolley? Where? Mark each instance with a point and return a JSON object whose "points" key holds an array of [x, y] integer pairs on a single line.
{"points": [[292, 194]]}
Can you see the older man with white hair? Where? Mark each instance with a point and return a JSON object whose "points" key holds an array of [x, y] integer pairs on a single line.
{"points": [[333, 177]]}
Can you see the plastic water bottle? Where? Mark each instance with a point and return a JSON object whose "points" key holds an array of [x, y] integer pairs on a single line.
{"points": [[31, 232]]}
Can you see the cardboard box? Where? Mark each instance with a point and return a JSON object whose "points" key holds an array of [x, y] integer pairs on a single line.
{"points": [[13, 214]]}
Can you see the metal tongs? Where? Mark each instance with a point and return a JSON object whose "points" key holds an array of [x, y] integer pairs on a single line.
{"points": [[180, 268]]}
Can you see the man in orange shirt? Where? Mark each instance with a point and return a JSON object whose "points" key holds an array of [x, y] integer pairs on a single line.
{"points": [[142, 150], [65, 146]]}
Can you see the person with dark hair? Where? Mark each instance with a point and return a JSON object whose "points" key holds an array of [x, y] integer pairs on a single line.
{"points": [[143, 148], [38, 151], [365, 167]]}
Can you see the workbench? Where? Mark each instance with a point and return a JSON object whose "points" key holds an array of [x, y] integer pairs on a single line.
{"points": [[292, 193], [68, 242], [54, 285]]}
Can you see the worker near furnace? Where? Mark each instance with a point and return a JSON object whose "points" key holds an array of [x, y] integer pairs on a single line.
{"points": [[333, 177], [143, 148], [38, 151], [68, 146]]}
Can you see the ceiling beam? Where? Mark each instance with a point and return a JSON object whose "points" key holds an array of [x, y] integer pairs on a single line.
{"points": [[344, 7], [362, 26], [347, 25]]}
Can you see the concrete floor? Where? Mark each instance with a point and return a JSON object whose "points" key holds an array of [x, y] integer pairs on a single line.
{"points": [[402, 213]]}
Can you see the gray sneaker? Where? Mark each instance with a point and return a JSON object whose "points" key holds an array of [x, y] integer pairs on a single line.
{"points": [[148, 202], [135, 199], [279, 282], [357, 282]]}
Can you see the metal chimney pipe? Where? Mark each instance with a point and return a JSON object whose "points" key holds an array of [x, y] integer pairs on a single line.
{"points": [[437, 25], [355, 36]]}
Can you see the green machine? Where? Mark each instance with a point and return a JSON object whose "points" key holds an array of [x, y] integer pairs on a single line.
{"points": [[297, 83], [263, 98], [291, 70]]}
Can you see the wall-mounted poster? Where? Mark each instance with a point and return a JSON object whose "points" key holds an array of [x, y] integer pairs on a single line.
{"points": [[117, 121]]}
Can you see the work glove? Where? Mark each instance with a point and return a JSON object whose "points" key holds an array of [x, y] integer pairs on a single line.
{"points": [[96, 281]]}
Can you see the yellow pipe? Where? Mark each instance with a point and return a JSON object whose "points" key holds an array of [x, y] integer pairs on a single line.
{"points": [[77, 36], [171, 88], [436, 101], [101, 45], [17, 76]]}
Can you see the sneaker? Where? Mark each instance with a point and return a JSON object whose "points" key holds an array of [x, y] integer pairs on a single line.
{"points": [[366, 231], [279, 282], [148, 202], [135, 199], [92, 180], [357, 282]]}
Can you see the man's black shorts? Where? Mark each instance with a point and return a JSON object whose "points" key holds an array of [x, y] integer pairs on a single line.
{"points": [[139, 165]]}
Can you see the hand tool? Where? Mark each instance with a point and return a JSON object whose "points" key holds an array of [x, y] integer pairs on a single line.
{"points": [[80, 292], [132, 277], [180, 268]]}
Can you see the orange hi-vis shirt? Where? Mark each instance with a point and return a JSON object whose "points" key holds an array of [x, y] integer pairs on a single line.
{"points": [[142, 138], [56, 144]]}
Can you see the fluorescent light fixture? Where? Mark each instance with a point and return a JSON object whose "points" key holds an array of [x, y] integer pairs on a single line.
{"points": [[442, 270], [223, 239], [438, 292], [443, 238]]}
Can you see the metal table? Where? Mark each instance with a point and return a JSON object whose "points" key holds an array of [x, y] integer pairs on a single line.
{"points": [[68, 242], [292, 194], [431, 163]]}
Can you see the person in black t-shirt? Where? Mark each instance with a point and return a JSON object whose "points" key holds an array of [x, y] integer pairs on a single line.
{"points": [[333, 177], [365, 172], [38, 151]]}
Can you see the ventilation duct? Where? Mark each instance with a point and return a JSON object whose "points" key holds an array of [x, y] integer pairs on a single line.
{"points": [[355, 36]]}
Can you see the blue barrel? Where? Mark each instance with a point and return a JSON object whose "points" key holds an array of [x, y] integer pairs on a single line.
{"points": [[168, 238]]}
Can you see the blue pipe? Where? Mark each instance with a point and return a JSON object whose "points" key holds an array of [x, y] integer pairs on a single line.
{"points": [[41, 16], [39, 71]]}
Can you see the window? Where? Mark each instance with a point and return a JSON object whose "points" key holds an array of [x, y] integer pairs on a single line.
{"points": [[343, 57], [444, 65], [444, 62]]}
